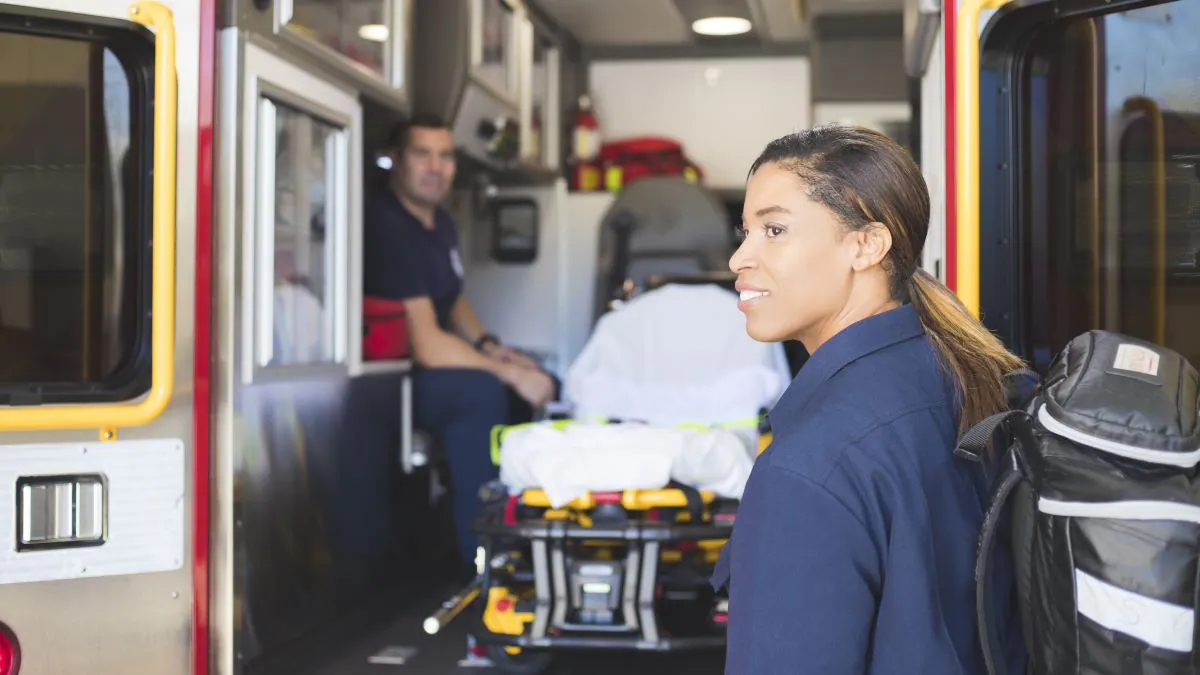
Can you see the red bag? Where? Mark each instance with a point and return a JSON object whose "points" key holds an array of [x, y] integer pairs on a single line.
{"points": [[385, 329], [647, 156]]}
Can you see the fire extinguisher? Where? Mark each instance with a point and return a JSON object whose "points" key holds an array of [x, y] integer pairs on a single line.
{"points": [[586, 150]]}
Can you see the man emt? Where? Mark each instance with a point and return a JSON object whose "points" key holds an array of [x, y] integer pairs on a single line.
{"points": [[463, 374]]}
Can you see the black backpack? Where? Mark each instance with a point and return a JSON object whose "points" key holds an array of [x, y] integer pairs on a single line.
{"points": [[1096, 491]]}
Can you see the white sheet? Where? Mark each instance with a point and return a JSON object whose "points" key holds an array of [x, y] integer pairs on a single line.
{"points": [[569, 462], [678, 354]]}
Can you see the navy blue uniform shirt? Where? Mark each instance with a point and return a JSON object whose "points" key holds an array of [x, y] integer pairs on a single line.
{"points": [[854, 545], [402, 259]]}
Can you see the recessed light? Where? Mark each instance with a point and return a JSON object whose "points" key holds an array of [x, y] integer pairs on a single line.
{"points": [[374, 32], [721, 25]]}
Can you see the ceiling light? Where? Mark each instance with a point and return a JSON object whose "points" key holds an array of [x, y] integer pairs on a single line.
{"points": [[721, 25], [374, 32]]}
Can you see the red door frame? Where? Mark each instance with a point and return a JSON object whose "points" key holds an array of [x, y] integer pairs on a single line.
{"points": [[202, 366], [951, 253]]}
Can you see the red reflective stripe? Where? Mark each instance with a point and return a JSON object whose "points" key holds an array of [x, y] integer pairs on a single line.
{"points": [[951, 254]]}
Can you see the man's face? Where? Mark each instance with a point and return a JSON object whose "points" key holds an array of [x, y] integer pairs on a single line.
{"points": [[425, 172]]}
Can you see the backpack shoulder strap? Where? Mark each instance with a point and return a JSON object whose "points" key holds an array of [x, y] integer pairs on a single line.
{"points": [[1009, 473], [973, 444], [1009, 477]]}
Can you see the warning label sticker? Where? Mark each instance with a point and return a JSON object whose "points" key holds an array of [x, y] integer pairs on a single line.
{"points": [[1137, 359]]}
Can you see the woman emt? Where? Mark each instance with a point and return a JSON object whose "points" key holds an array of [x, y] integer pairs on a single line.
{"points": [[853, 550]]}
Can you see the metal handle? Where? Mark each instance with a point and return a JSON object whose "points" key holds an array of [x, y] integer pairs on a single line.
{"points": [[453, 606], [1158, 208], [108, 418], [967, 148]]}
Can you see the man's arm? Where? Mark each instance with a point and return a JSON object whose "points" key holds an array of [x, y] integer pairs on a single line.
{"points": [[436, 348], [468, 325], [395, 270], [465, 321]]}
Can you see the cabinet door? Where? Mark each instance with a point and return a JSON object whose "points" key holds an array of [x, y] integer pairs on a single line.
{"points": [[371, 35], [301, 159], [494, 47]]}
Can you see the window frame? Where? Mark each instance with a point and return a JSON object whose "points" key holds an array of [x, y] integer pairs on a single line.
{"points": [[134, 48], [269, 77], [1004, 48]]}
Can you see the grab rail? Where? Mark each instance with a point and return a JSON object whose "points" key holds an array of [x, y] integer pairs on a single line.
{"points": [[107, 418], [1159, 208], [966, 108]]}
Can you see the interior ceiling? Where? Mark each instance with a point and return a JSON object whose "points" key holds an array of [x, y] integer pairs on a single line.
{"points": [[629, 23]]}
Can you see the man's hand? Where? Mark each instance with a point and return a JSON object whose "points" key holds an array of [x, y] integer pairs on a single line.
{"points": [[533, 385], [510, 355]]}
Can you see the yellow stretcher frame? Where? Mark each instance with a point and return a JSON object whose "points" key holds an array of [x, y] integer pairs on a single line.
{"points": [[107, 418], [634, 500], [966, 148]]}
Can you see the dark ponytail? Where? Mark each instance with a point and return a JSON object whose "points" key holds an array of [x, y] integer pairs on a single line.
{"points": [[864, 177], [978, 359]]}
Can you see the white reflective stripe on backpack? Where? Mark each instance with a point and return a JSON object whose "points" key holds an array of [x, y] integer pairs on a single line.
{"points": [[1162, 624], [1153, 621], [1180, 459], [1122, 510]]}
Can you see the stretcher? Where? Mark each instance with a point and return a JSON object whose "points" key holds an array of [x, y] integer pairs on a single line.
{"points": [[603, 528]]}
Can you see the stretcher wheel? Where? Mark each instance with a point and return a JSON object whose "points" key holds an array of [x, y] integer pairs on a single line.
{"points": [[525, 663]]}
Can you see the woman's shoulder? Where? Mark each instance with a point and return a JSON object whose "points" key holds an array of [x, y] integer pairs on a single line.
{"points": [[873, 413], [864, 434]]}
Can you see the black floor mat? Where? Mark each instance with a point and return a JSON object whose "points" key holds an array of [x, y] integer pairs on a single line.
{"points": [[440, 654]]}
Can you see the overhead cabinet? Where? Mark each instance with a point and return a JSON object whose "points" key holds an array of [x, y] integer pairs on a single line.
{"points": [[493, 74]]}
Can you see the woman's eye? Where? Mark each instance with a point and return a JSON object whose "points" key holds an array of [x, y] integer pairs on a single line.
{"points": [[773, 231], [740, 232]]}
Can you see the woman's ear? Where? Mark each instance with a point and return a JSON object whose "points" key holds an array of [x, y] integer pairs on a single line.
{"points": [[874, 244]]}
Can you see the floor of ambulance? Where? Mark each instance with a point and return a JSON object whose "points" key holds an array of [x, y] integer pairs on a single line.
{"points": [[440, 654]]}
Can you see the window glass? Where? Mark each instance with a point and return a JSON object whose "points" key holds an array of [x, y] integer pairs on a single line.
{"points": [[1110, 145], [355, 28], [541, 92], [302, 301], [495, 65], [74, 208]]}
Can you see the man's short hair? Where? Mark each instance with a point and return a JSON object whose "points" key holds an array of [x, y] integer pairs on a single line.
{"points": [[398, 139]]}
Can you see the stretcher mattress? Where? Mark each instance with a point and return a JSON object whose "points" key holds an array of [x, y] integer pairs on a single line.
{"points": [[676, 355], [570, 461]]}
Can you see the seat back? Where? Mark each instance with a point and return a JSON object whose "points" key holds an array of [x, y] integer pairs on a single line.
{"points": [[678, 354], [659, 225]]}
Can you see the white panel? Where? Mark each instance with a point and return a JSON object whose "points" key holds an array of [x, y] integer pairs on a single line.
{"points": [[520, 303], [581, 245], [724, 111], [1150, 620], [933, 156], [145, 485], [873, 115]]}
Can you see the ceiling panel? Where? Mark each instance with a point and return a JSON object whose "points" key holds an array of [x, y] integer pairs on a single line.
{"points": [[619, 22], [666, 22]]}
